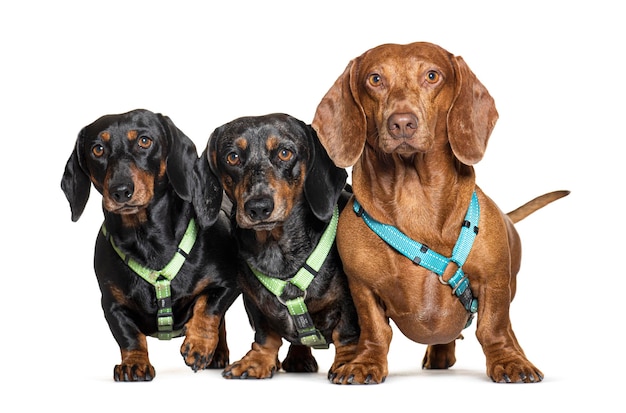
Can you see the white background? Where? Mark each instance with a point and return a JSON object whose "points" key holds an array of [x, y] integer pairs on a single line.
{"points": [[555, 69]]}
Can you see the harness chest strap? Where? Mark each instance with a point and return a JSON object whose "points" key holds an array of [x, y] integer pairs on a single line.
{"points": [[308, 334], [423, 256], [161, 280]]}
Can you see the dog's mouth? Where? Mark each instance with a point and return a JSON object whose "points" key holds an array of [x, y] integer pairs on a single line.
{"points": [[261, 214], [264, 226], [245, 222], [123, 208], [128, 202], [406, 146]]}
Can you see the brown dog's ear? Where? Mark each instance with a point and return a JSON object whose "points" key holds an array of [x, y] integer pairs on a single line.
{"points": [[75, 182], [181, 157], [208, 192], [324, 181], [340, 120], [471, 116]]}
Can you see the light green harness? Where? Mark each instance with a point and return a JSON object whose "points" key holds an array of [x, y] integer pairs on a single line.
{"points": [[161, 279], [307, 333]]}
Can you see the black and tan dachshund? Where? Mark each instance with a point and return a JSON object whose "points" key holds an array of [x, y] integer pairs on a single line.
{"points": [[160, 272], [286, 194]]}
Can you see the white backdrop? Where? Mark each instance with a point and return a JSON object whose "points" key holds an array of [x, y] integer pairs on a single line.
{"points": [[555, 68]]}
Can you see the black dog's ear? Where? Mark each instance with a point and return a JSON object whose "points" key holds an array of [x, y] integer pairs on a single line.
{"points": [[181, 157], [324, 180], [208, 193], [75, 182]]}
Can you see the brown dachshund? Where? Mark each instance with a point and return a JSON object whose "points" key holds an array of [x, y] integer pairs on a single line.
{"points": [[412, 120]]}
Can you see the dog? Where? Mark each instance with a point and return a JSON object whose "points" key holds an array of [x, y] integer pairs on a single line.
{"points": [[159, 272], [286, 195], [411, 120]]}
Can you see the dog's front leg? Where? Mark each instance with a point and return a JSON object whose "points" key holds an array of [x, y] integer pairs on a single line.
{"points": [[135, 364], [369, 366], [506, 361], [261, 361], [205, 339]]}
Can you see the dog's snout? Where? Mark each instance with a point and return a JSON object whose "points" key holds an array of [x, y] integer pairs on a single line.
{"points": [[259, 208], [122, 192], [402, 125]]}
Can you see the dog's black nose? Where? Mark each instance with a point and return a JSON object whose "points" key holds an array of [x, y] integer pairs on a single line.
{"points": [[260, 208], [122, 193]]}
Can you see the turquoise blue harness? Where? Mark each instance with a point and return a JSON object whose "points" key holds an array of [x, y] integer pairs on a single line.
{"points": [[423, 256]]}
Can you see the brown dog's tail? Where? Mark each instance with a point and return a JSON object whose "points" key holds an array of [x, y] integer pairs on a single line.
{"points": [[531, 206]]}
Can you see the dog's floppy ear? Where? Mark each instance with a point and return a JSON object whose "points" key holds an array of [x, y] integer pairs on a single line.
{"points": [[340, 120], [324, 181], [75, 182], [208, 193], [181, 157], [471, 117]]}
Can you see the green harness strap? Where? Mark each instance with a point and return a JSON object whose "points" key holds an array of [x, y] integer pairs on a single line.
{"points": [[161, 279], [308, 334]]}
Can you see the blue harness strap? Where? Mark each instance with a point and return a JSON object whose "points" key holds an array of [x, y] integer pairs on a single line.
{"points": [[423, 256]]}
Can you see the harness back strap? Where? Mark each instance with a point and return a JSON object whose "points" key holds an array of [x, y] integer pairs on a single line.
{"points": [[308, 334], [421, 255], [161, 280]]}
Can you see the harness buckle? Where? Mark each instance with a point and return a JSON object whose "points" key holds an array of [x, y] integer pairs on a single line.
{"points": [[283, 302], [313, 338], [359, 212]]}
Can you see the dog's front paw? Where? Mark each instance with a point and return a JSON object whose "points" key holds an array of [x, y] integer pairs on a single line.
{"points": [[358, 373], [514, 370], [252, 367], [200, 354], [135, 366], [133, 372]]}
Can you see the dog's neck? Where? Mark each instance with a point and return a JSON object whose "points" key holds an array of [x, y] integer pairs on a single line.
{"points": [[277, 254], [432, 185], [152, 236]]}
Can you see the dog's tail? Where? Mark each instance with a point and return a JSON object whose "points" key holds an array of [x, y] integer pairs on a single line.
{"points": [[531, 206]]}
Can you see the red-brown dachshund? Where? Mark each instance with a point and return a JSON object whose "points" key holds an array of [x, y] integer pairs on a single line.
{"points": [[286, 196], [421, 243], [160, 273]]}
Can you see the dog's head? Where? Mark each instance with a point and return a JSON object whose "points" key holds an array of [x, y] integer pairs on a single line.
{"points": [[401, 99], [267, 165], [131, 159]]}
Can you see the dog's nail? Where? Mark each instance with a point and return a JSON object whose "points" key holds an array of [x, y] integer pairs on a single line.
{"points": [[350, 379], [506, 378], [368, 379], [331, 376], [244, 375]]}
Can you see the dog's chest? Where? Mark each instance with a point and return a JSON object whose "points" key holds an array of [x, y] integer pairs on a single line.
{"points": [[422, 307]]}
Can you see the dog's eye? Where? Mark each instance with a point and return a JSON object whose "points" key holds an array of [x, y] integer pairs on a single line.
{"points": [[233, 159], [144, 142], [375, 79], [97, 150], [285, 155], [432, 77]]}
